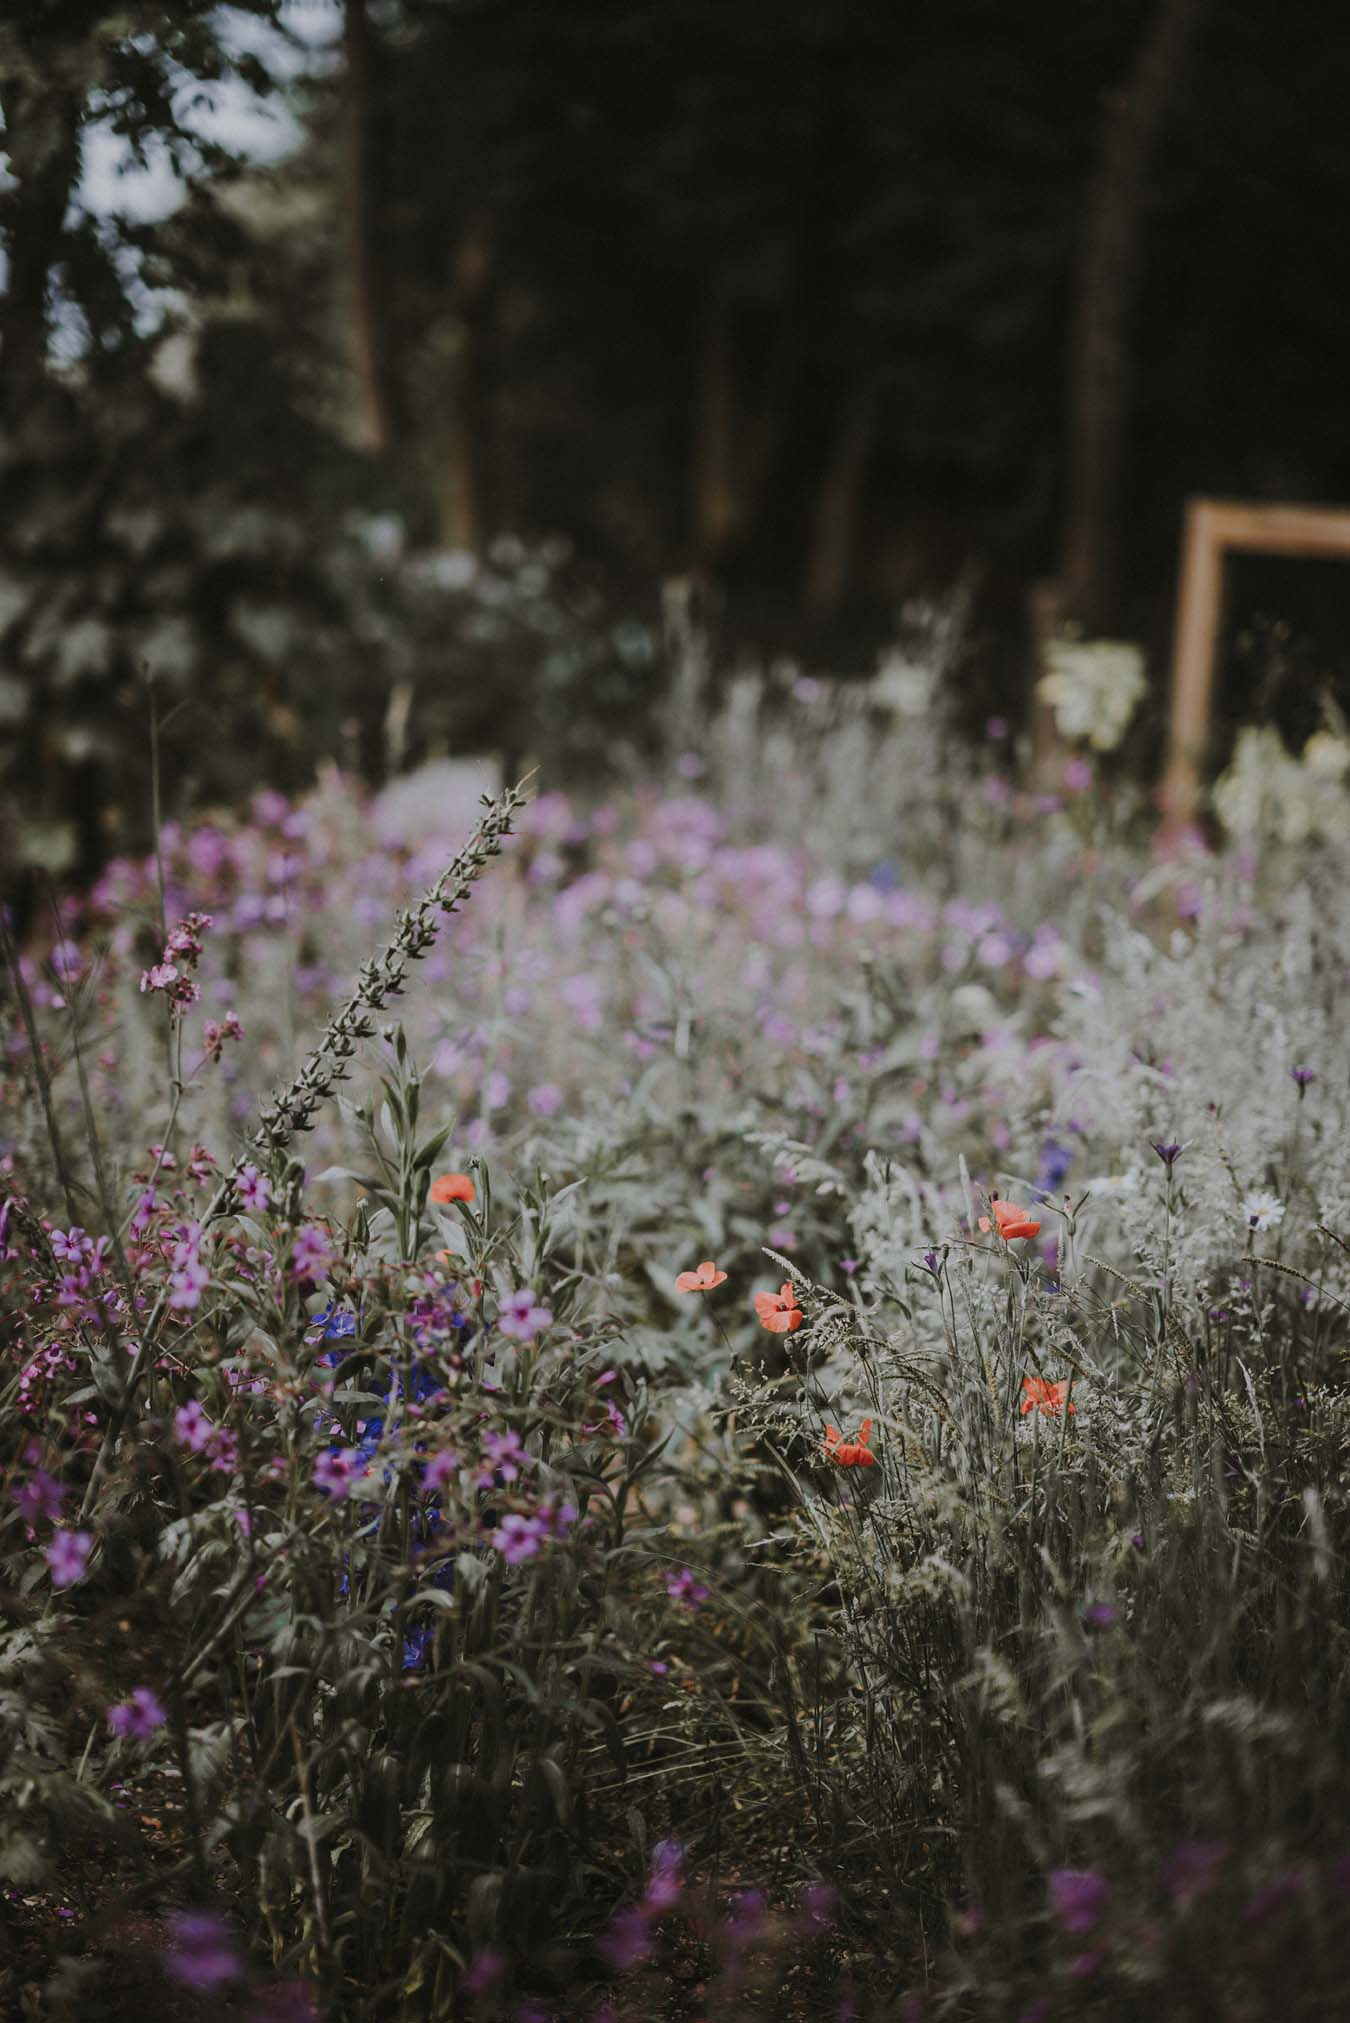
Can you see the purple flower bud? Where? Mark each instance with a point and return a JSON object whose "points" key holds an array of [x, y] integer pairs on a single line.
{"points": [[1078, 1897], [202, 1953]]}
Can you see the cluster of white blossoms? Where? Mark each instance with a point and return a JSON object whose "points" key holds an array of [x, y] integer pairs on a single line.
{"points": [[1267, 793], [905, 685], [1094, 687]]}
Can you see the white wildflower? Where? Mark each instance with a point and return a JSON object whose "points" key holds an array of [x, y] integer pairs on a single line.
{"points": [[1093, 687], [904, 685], [1262, 1211]]}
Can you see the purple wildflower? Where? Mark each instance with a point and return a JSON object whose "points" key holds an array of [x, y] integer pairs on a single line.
{"points": [[41, 1496], [311, 1253], [683, 1587], [521, 1317], [1169, 1152], [193, 1427], [1301, 1077], [506, 1457], [333, 1470], [202, 1954], [68, 1555], [1100, 1616], [255, 1190], [666, 1880], [137, 1718], [483, 1972], [440, 1470], [627, 1939], [1078, 1897], [71, 1246]]}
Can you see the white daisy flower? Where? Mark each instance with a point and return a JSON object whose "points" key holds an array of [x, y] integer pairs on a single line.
{"points": [[1262, 1211]]}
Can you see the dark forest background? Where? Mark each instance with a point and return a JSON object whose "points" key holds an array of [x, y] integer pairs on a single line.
{"points": [[820, 307]]}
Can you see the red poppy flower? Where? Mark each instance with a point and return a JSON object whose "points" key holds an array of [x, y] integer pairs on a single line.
{"points": [[452, 1187], [702, 1280], [779, 1311], [1039, 1395], [850, 1453], [1012, 1221]]}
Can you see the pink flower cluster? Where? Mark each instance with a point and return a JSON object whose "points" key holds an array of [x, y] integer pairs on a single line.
{"points": [[629, 1937], [200, 1435], [521, 1536], [215, 1032], [172, 974], [77, 1293], [189, 1277]]}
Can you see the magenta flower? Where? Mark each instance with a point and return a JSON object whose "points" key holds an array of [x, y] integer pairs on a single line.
{"points": [[521, 1316], [255, 1190], [40, 1496], [683, 1587], [483, 1972], [440, 1470], [334, 1469], [311, 1253], [1078, 1897], [137, 1718], [202, 1953], [666, 1880], [68, 1555], [520, 1538], [506, 1457], [71, 1246], [193, 1427], [627, 1940]]}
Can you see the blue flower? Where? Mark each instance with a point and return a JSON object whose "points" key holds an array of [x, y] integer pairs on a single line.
{"points": [[1056, 1159]]}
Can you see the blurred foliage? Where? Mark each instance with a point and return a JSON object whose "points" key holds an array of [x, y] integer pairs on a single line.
{"points": [[382, 449]]}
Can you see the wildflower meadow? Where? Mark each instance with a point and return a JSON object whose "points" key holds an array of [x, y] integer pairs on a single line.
{"points": [[724, 1400]]}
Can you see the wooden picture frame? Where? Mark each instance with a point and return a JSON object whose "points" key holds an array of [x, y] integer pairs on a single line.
{"points": [[1213, 529]]}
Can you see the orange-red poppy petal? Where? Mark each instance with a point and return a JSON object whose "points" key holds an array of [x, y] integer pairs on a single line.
{"points": [[703, 1280], [451, 1187]]}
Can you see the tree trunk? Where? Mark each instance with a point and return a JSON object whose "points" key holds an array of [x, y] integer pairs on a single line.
{"points": [[367, 327], [42, 139], [1099, 389], [716, 506], [462, 497], [836, 518]]}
